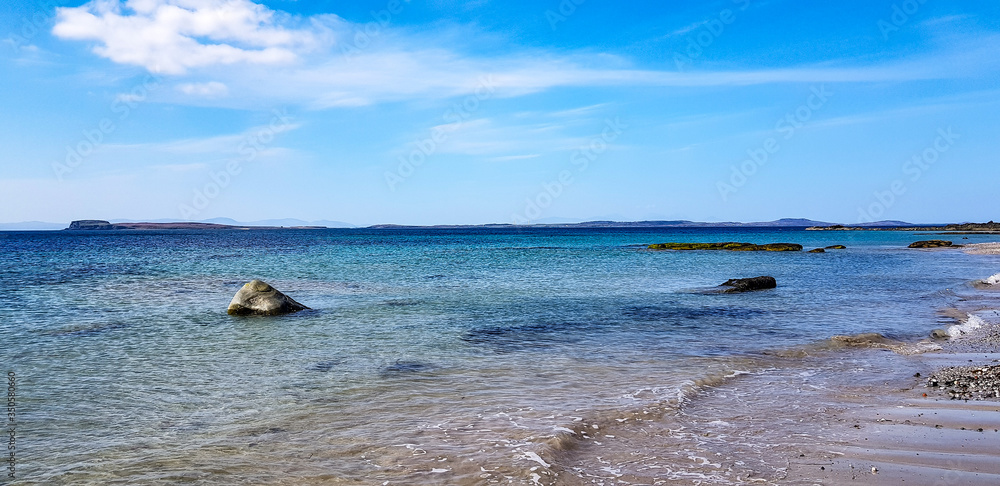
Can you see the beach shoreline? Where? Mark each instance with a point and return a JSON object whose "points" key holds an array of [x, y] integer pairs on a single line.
{"points": [[853, 409]]}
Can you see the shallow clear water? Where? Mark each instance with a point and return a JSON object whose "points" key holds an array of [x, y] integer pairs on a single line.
{"points": [[431, 356]]}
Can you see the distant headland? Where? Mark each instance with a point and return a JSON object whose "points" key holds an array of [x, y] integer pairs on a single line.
{"points": [[100, 225], [788, 223], [987, 228]]}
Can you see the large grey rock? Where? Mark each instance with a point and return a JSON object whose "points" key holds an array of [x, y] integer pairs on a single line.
{"points": [[259, 298], [749, 284]]}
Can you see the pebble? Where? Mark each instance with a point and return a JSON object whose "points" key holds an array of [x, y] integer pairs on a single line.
{"points": [[967, 382]]}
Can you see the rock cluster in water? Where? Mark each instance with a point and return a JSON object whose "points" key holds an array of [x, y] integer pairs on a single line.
{"points": [[730, 246], [931, 244], [968, 382], [259, 298], [737, 285]]}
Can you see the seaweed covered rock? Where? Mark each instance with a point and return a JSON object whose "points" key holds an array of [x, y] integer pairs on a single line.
{"points": [[930, 244], [836, 247], [818, 250], [259, 298], [730, 246], [737, 285]]}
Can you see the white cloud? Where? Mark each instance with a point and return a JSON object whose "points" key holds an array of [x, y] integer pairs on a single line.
{"points": [[173, 36], [213, 89], [253, 53]]}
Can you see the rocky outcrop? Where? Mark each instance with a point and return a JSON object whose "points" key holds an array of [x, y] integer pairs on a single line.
{"points": [[729, 246], [259, 298], [818, 250], [931, 244], [90, 224], [836, 247], [737, 285]]}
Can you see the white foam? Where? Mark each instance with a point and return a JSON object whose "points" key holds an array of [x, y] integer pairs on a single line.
{"points": [[994, 280], [534, 457], [971, 324]]}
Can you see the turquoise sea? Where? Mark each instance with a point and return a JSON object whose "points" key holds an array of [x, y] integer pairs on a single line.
{"points": [[429, 356]]}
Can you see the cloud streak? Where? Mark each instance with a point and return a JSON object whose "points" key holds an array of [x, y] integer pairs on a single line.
{"points": [[243, 53]]}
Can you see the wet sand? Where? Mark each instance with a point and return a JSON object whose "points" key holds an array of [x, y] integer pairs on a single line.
{"points": [[849, 411], [983, 249]]}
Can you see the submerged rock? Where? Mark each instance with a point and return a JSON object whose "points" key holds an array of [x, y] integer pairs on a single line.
{"points": [[730, 246], [818, 250], [930, 244], [866, 340], [749, 284], [836, 247], [401, 367], [259, 298]]}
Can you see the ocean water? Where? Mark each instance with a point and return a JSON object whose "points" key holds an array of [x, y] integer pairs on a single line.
{"points": [[428, 357]]}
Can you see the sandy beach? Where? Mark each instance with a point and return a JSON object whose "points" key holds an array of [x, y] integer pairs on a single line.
{"points": [[853, 410], [983, 249]]}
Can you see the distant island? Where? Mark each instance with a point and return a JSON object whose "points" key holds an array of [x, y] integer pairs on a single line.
{"points": [[781, 223], [100, 225], [986, 228], [788, 223]]}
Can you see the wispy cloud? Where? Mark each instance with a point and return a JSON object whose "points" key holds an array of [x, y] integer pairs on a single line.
{"points": [[212, 89], [219, 146], [687, 28], [581, 111], [253, 53]]}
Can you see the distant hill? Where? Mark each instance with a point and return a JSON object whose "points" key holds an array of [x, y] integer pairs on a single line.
{"points": [[31, 226], [550, 223], [781, 223], [287, 222]]}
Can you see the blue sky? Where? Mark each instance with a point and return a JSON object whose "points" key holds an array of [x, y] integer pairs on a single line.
{"points": [[450, 112]]}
